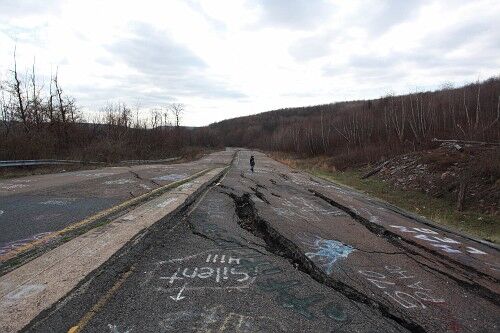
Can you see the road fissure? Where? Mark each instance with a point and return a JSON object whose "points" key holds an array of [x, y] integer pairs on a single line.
{"points": [[277, 244], [443, 260]]}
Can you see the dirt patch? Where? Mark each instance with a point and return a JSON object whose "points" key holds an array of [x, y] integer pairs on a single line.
{"points": [[444, 171]]}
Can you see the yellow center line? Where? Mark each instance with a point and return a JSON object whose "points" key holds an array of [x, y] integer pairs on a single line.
{"points": [[99, 215], [106, 297], [100, 303]]}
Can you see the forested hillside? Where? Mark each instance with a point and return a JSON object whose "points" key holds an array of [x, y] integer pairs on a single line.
{"points": [[46, 123], [370, 130]]}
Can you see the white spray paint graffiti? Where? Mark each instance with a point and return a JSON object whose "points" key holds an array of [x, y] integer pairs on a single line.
{"points": [[179, 296], [300, 207], [25, 291], [218, 319], [436, 240], [216, 274], [403, 288], [186, 186], [54, 202], [327, 252], [166, 202], [57, 202], [206, 270], [14, 245], [172, 177], [121, 181], [114, 329], [12, 186], [97, 174]]}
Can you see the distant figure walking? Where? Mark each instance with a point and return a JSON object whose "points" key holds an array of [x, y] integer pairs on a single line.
{"points": [[252, 163]]}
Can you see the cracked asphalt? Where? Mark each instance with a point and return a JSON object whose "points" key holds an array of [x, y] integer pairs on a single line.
{"points": [[35, 206], [278, 250]]}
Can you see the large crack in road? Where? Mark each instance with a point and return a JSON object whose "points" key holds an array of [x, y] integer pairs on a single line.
{"points": [[393, 238], [249, 219], [280, 251]]}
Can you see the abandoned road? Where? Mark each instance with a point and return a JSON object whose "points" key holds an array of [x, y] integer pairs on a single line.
{"points": [[276, 250], [48, 203]]}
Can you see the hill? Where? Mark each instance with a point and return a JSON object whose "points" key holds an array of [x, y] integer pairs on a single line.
{"points": [[358, 132]]}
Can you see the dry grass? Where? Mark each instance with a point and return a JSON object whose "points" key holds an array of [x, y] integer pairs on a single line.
{"points": [[439, 210]]}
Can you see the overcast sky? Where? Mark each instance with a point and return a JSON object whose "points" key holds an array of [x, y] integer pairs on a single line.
{"points": [[225, 59]]}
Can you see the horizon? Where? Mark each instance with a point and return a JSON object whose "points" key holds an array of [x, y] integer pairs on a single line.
{"points": [[213, 57]]}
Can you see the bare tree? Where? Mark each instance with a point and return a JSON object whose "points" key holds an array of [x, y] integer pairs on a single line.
{"points": [[36, 101], [125, 116], [22, 106], [6, 116], [177, 110], [59, 95], [50, 102], [155, 118], [166, 118]]}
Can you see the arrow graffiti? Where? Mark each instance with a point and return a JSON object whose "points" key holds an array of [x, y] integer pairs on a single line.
{"points": [[179, 297]]}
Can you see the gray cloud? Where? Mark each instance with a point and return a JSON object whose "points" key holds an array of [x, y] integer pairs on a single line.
{"points": [[382, 15], [165, 65], [295, 14], [152, 52], [312, 47], [377, 19], [218, 25], [456, 36], [20, 8], [436, 54], [387, 70], [97, 96]]}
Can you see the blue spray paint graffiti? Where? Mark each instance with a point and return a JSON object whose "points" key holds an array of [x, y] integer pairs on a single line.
{"points": [[327, 252]]}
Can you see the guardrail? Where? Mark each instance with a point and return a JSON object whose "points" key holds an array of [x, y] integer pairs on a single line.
{"points": [[19, 163], [171, 159]]}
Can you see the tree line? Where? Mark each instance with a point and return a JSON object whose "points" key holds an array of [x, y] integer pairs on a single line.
{"points": [[40, 120], [364, 131]]}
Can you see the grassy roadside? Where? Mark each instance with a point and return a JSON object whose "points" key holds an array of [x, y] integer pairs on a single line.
{"points": [[439, 210]]}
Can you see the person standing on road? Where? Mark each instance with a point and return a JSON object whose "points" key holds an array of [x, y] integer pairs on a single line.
{"points": [[252, 163]]}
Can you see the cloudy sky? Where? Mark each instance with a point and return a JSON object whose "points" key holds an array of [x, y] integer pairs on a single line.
{"points": [[225, 59]]}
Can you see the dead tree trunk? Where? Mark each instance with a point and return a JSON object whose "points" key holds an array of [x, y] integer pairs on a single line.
{"points": [[462, 191], [22, 107]]}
